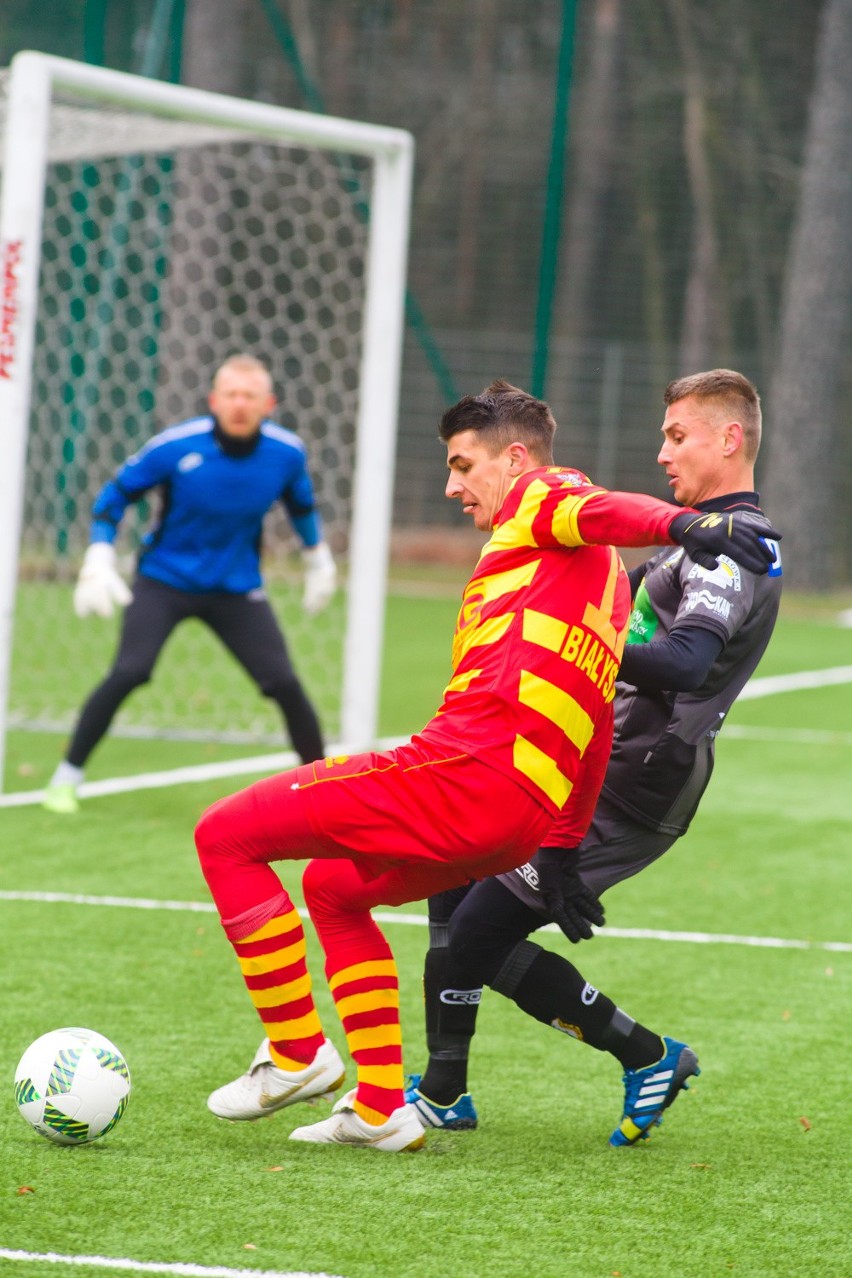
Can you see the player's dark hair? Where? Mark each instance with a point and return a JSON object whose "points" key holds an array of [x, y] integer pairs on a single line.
{"points": [[734, 395], [501, 415]]}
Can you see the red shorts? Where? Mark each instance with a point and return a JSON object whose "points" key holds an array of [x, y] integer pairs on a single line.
{"points": [[417, 818]]}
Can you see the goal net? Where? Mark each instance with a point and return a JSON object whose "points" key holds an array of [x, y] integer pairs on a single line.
{"points": [[148, 232]]}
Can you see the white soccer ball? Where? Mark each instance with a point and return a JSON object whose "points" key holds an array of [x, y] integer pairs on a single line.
{"points": [[72, 1085]]}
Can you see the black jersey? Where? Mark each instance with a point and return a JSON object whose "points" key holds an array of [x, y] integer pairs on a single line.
{"points": [[662, 754]]}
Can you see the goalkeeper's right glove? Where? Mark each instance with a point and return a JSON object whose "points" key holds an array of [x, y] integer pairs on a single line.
{"points": [[706, 536], [99, 587]]}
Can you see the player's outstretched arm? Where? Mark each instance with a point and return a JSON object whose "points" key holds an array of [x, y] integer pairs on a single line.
{"points": [[706, 536], [634, 519]]}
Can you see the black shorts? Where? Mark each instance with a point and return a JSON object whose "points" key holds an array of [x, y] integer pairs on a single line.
{"points": [[245, 624], [615, 848]]}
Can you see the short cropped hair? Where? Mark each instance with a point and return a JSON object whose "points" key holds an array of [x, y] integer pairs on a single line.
{"points": [[243, 364], [503, 414], [732, 393]]}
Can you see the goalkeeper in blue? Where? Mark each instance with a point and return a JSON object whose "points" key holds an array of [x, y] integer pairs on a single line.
{"points": [[217, 476], [696, 635]]}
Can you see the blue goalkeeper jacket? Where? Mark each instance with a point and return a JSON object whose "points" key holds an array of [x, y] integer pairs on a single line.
{"points": [[215, 491]]}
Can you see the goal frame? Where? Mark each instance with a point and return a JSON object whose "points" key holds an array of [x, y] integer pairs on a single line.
{"points": [[33, 78]]}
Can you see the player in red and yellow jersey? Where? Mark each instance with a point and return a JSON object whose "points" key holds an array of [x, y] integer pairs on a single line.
{"points": [[522, 736]]}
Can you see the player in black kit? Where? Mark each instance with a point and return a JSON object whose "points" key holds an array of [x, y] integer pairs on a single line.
{"points": [[696, 636]]}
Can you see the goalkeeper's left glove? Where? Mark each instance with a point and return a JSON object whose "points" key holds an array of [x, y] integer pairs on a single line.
{"points": [[706, 536], [320, 577], [570, 903]]}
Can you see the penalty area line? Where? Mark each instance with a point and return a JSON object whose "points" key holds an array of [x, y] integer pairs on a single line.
{"points": [[420, 920], [755, 689], [192, 774], [153, 1267]]}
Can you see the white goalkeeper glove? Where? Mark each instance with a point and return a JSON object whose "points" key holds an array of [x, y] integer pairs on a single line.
{"points": [[320, 578], [99, 587]]}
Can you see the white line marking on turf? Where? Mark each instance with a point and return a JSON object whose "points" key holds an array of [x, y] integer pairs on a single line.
{"points": [[251, 765], [420, 920], [793, 736], [154, 1267], [158, 780], [769, 685]]}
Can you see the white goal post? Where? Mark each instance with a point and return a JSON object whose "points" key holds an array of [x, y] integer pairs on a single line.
{"points": [[147, 231]]}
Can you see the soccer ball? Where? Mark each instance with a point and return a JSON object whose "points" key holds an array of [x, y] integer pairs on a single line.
{"points": [[72, 1085]]}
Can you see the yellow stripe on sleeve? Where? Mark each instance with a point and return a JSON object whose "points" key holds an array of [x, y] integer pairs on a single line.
{"points": [[565, 525], [558, 706], [542, 770]]}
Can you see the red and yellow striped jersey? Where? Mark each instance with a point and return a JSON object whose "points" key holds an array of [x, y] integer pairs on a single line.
{"points": [[541, 630]]}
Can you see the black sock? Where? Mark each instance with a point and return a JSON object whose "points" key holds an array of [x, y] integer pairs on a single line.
{"points": [[450, 1026], [549, 988]]}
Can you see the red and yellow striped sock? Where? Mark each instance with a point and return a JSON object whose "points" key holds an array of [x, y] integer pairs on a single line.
{"points": [[272, 960], [366, 995]]}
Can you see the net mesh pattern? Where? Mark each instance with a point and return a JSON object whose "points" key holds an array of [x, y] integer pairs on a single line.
{"points": [[168, 246]]}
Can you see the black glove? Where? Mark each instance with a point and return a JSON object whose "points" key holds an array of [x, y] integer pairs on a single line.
{"points": [[572, 906], [705, 537]]}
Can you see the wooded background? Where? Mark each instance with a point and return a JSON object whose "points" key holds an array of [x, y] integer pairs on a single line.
{"points": [[608, 193]]}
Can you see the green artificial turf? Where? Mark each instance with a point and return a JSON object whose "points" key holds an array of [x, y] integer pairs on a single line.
{"points": [[746, 1176]]}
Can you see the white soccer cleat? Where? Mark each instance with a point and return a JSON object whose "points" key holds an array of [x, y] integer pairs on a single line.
{"points": [[402, 1131], [266, 1088]]}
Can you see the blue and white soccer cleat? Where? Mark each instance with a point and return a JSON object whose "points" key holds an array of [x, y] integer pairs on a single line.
{"points": [[458, 1117], [648, 1091]]}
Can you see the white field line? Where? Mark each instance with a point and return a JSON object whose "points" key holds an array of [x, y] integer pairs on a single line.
{"points": [[420, 920], [151, 1266], [791, 736], [158, 780], [255, 765], [768, 685], [755, 688], [250, 766]]}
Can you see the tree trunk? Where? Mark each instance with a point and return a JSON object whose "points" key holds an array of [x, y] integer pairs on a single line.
{"points": [[592, 144], [702, 314], [804, 483], [485, 25], [214, 52]]}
